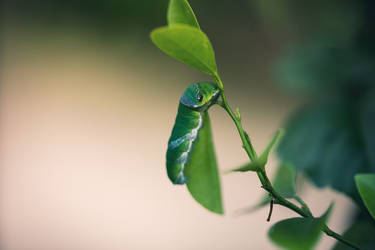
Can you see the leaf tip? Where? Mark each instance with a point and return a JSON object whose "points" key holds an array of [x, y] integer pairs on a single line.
{"points": [[327, 213]]}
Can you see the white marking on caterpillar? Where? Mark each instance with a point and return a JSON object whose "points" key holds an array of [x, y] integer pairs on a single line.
{"points": [[189, 136], [184, 156], [216, 92]]}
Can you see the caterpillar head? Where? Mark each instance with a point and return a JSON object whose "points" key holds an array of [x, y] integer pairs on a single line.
{"points": [[200, 96]]}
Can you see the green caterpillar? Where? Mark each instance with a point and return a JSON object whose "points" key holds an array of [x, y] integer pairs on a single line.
{"points": [[191, 118]]}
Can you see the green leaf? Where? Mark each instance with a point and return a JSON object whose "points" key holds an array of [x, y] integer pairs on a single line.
{"points": [[180, 12], [265, 201], [262, 160], [202, 171], [188, 45], [264, 156], [324, 140], [366, 187], [252, 166], [298, 233], [361, 234]]}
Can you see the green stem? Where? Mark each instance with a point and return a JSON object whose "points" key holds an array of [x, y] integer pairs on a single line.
{"points": [[246, 144], [338, 237], [303, 212], [303, 205], [278, 198], [266, 183]]}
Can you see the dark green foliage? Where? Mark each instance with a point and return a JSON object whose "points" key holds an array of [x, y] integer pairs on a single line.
{"points": [[334, 133], [285, 180], [337, 20], [366, 188], [361, 233], [367, 122], [325, 140], [319, 67]]}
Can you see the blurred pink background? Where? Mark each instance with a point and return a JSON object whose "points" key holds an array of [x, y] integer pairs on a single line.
{"points": [[83, 135]]}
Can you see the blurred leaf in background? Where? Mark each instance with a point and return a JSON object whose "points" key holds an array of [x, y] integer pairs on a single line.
{"points": [[325, 141], [318, 67], [106, 15], [366, 188], [329, 137], [336, 20], [361, 233]]}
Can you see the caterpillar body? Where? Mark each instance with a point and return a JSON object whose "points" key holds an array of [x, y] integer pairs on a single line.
{"points": [[191, 118]]}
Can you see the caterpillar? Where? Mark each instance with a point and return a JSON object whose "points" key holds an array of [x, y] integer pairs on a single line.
{"points": [[191, 118]]}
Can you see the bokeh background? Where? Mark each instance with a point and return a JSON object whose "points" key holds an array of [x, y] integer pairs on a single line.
{"points": [[87, 104]]}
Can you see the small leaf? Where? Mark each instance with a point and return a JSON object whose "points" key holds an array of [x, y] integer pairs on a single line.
{"points": [[298, 233], [259, 163], [250, 209], [264, 156], [366, 187], [188, 45], [180, 12], [202, 172], [252, 166]]}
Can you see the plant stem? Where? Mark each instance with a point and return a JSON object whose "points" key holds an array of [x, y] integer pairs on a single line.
{"points": [[246, 144], [303, 212], [303, 204], [266, 183], [338, 237]]}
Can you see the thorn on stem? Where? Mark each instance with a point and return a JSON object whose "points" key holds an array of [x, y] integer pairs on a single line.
{"points": [[271, 209], [238, 114]]}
